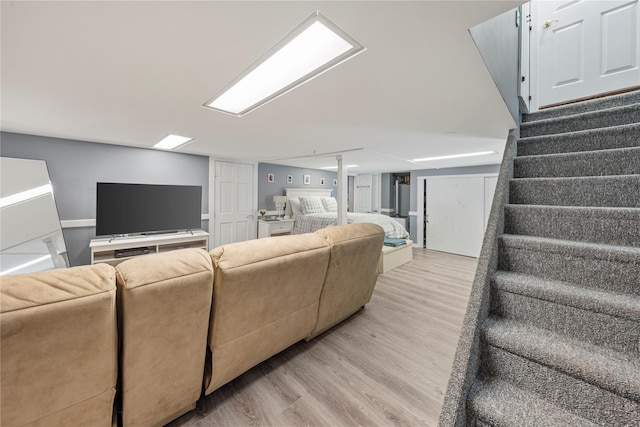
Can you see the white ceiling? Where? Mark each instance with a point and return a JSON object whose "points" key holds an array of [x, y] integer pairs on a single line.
{"points": [[128, 73]]}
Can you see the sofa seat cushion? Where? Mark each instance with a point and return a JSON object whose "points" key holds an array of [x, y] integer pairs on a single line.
{"points": [[59, 347]]}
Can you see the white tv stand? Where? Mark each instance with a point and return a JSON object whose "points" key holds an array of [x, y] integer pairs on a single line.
{"points": [[115, 250]]}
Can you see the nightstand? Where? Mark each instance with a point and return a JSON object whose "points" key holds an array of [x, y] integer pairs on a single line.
{"points": [[277, 227]]}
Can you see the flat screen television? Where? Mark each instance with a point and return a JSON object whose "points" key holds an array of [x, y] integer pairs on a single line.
{"points": [[147, 208]]}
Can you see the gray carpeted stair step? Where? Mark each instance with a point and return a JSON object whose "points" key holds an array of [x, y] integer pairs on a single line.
{"points": [[604, 191], [602, 318], [499, 404], [607, 267], [615, 116], [619, 161], [599, 406], [588, 140], [615, 372], [612, 226], [584, 107]]}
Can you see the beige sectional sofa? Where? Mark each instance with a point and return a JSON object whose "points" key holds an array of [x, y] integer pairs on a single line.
{"points": [[188, 322]]}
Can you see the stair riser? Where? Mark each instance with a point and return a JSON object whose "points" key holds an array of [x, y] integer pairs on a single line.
{"points": [[619, 334], [589, 269], [608, 227], [606, 118], [591, 402], [599, 139], [583, 107], [623, 191], [595, 163]]}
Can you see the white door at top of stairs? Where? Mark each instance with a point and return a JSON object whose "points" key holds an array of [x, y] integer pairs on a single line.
{"points": [[581, 49]]}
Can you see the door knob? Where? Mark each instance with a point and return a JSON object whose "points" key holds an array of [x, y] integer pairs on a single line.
{"points": [[547, 24]]}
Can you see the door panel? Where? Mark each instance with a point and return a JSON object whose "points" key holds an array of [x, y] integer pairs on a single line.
{"points": [[225, 234], [620, 39], [568, 54], [586, 48]]}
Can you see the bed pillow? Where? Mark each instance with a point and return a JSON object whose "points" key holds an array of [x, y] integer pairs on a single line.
{"points": [[311, 205], [294, 202], [330, 204]]}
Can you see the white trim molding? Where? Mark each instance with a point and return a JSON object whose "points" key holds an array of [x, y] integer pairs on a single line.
{"points": [[84, 223], [77, 223]]}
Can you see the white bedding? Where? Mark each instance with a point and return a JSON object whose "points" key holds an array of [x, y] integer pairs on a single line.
{"points": [[312, 222]]}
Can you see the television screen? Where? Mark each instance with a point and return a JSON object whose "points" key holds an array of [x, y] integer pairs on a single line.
{"points": [[147, 208]]}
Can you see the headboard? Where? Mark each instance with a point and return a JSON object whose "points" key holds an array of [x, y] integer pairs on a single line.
{"points": [[304, 192]]}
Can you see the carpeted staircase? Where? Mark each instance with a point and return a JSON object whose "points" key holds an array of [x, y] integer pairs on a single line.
{"points": [[557, 340]]}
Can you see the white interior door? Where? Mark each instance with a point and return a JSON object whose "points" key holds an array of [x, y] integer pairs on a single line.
{"points": [[585, 48], [234, 218], [363, 193], [455, 209]]}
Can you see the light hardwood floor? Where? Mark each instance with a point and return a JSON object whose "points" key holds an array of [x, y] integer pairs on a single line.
{"points": [[387, 365]]}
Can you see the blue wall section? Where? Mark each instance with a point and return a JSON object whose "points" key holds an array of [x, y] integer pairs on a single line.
{"points": [[76, 166], [266, 190]]}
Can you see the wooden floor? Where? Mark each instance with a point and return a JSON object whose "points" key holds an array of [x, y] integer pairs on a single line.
{"points": [[386, 365]]}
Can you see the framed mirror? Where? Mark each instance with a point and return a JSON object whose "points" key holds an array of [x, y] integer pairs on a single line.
{"points": [[31, 236]]}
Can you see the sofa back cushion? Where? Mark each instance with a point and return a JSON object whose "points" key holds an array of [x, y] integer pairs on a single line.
{"points": [[265, 298], [59, 347], [352, 272], [164, 306]]}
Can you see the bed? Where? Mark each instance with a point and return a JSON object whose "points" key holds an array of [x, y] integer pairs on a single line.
{"points": [[314, 209]]}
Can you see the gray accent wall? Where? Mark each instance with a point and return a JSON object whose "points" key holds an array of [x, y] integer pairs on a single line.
{"points": [[76, 166], [266, 190], [468, 170]]}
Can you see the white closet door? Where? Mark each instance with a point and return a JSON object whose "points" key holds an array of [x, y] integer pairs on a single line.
{"points": [[455, 208]]}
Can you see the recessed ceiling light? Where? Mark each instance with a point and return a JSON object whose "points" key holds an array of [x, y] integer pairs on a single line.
{"points": [[171, 142], [455, 156], [312, 48], [336, 167]]}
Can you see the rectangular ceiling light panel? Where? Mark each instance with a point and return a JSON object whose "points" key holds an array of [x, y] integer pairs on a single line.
{"points": [[336, 167], [314, 47], [171, 142], [455, 156]]}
